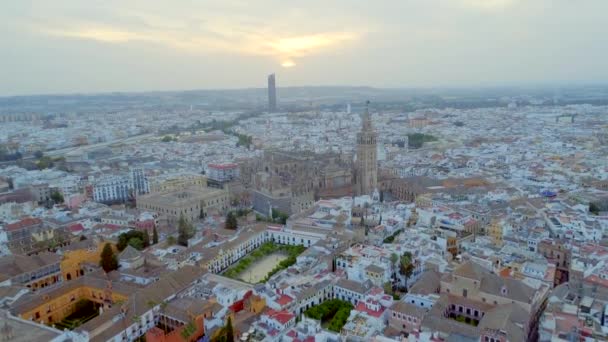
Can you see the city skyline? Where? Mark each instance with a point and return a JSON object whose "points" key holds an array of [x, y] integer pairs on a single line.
{"points": [[114, 47]]}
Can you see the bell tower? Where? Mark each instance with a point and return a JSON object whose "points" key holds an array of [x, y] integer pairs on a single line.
{"points": [[366, 166]]}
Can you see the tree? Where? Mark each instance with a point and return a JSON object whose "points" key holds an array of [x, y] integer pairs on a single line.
{"points": [[154, 236], [38, 154], [45, 163], [57, 197], [171, 240], [594, 209], [109, 261], [231, 222], [279, 216], [416, 140], [406, 267], [134, 238], [146, 238], [136, 243], [394, 259], [229, 330], [388, 288], [188, 330], [185, 231]]}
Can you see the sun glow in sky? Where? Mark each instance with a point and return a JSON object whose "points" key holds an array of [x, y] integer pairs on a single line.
{"points": [[288, 63]]}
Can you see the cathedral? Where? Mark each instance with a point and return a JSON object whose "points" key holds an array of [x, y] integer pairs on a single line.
{"points": [[291, 181], [366, 165]]}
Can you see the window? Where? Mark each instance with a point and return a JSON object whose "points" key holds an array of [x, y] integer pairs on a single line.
{"points": [[464, 293]]}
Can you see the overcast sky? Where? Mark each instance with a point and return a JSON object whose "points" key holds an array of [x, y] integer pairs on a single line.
{"points": [[67, 46]]}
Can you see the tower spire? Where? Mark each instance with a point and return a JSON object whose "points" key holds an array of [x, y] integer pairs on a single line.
{"points": [[366, 119]]}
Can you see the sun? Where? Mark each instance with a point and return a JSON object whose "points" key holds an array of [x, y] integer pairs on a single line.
{"points": [[288, 63]]}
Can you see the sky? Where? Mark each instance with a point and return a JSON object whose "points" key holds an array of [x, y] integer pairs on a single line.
{"points": [[76, 46]]}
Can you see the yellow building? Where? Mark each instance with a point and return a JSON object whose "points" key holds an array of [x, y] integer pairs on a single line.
{"points": [[54, 305], [78, 253], [495, 232]]}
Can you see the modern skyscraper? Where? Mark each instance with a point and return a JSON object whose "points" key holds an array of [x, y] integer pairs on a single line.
{"points": [[272, 94], [366, 171]]}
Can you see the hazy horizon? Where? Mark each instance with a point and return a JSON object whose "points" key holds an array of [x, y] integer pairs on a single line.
{"points": [[71, 47]]}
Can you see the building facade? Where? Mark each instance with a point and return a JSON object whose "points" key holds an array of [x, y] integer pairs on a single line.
{"points": [[223, 172], [121, 187], [192, 203]]}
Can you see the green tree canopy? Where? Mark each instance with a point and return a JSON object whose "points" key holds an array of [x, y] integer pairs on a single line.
{"points": [[416, 140], [279, 216], [57, 197], [231, 222], [185, 231], [406, 267], [136, 243], [171, 240], [135, 238], [108, 260]]}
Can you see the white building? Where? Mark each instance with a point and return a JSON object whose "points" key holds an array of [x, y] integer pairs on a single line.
{"points": [[223, 172], [121, 188]]}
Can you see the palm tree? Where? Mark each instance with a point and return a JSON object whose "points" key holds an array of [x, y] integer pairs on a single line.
{"points": [[406, 267], [394, 260]]}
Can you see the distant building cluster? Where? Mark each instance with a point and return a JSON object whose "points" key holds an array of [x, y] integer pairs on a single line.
{"points": [[426, 225]]}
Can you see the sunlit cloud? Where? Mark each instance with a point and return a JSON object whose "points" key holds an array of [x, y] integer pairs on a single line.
{"points": [[488, 4], [97, 34], [218, 38]]}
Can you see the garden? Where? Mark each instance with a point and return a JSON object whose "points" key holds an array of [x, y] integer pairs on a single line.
{"points": [[333, 313], [285, 253], [84, 311], [465, 319]]}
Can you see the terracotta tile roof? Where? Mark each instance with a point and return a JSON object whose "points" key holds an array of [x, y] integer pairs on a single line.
{"points": [[27, 222], [282, 316]]}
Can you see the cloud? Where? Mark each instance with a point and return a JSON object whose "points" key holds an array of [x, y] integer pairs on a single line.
{"points": [[488, 4], [289, 48], [237, 34]]}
